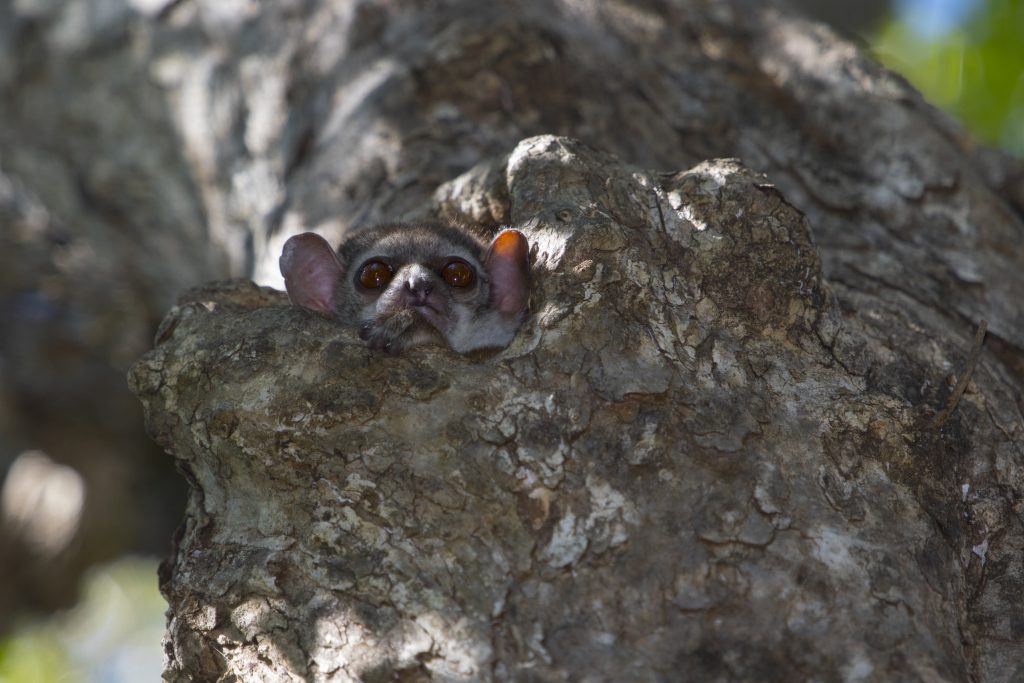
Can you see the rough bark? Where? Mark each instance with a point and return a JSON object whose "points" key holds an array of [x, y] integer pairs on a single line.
{"points": [[682, 468], [691, 460], [792, 427]]}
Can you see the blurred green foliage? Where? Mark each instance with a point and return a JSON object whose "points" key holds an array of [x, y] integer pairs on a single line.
{"points": [[32, 656], [972, 67], [111, 636]]}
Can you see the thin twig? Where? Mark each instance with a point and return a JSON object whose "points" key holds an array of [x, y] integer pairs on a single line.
{"points": [[965, 377]]}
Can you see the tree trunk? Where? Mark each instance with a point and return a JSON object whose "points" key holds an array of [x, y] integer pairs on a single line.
{"points": [[729, 443]]}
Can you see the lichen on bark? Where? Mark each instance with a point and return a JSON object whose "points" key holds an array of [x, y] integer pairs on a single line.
{"points": [[675, 471]]}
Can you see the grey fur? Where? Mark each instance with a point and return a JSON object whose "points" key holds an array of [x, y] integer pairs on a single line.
{"points": [[417, 306]]}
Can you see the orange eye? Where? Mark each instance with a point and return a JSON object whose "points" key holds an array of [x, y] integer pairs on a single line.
{"points": [[375, 274], [458, 274]]}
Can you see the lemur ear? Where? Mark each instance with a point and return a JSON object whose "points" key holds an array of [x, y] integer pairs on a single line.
{"points": [[312, 273], [507, 263]]}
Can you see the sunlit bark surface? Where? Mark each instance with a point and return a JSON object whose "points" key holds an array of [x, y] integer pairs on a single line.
{"points": [[716, 451]]}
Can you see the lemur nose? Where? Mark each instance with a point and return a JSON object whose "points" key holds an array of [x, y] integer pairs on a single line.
{"points": [[420, 286]]}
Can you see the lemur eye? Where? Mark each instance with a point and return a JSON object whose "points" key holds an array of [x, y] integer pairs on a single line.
{"points": [[458, 274], [375, 274]]}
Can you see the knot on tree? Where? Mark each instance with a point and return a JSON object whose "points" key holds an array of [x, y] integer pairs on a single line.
{"points": [[645, 454]]}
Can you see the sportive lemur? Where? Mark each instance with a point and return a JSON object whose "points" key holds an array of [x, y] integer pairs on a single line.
{"points": [[402, 285]]}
